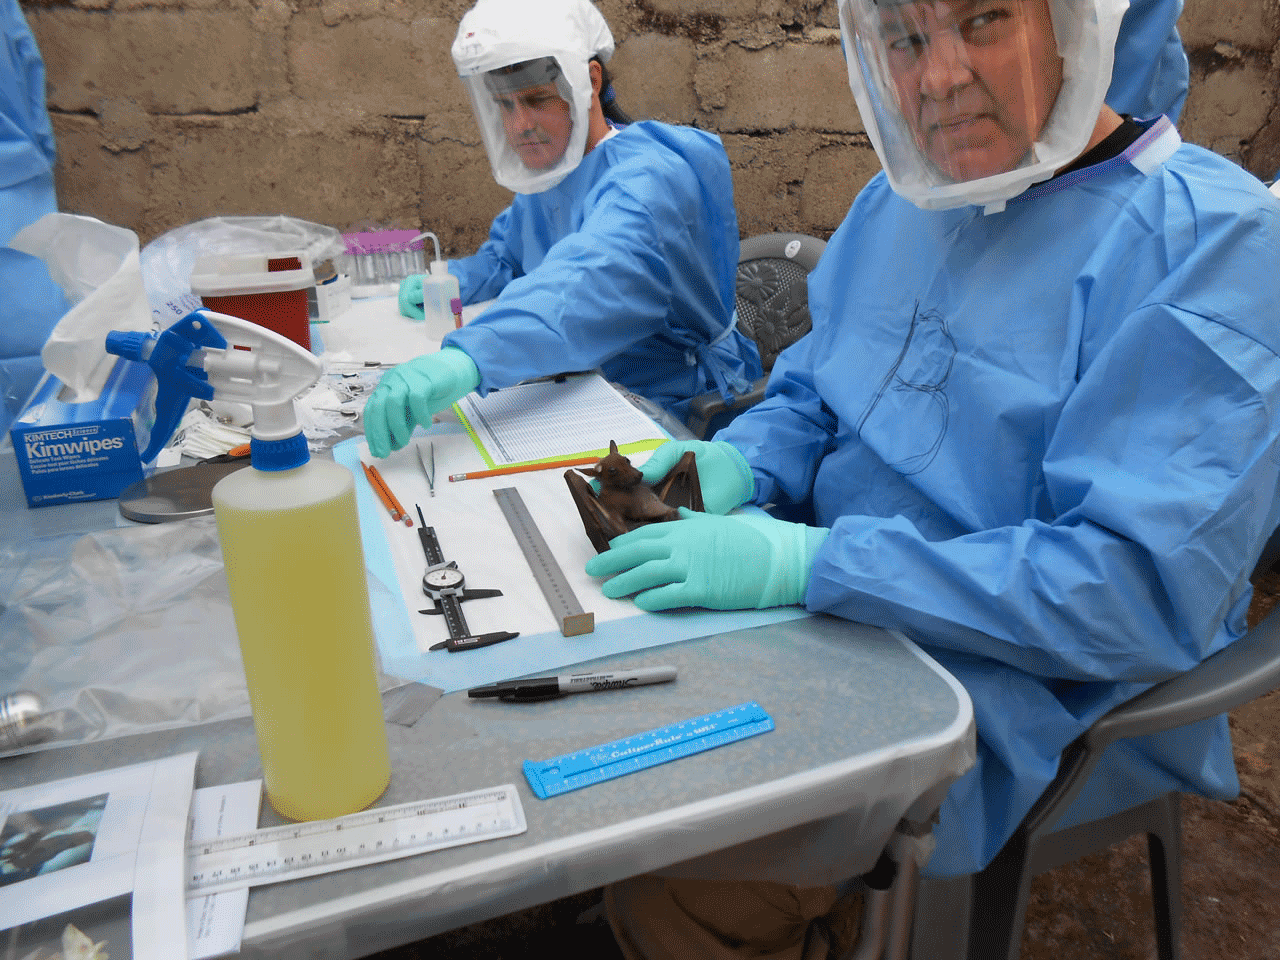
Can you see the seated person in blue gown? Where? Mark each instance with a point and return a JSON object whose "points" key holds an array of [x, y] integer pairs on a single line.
{"points": [[1035, 427], [619, 251], [26, 194]]}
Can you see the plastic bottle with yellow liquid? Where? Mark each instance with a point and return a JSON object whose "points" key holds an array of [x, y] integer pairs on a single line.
{"points": [[295, 568]]}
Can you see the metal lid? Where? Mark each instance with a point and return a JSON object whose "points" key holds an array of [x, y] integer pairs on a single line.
{"points": [[177, 494]]}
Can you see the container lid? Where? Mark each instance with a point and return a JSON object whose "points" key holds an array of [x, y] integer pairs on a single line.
{"points": [[178, 494], [229, 275]]}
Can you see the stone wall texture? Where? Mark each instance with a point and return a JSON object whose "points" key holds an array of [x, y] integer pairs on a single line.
{"points": [[349, 113]]}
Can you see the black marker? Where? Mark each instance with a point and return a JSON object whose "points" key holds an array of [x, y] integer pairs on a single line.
{"points": [[545, 688]]}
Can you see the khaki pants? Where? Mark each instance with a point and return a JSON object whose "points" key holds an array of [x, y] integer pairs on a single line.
{"points": [[662, 918]]}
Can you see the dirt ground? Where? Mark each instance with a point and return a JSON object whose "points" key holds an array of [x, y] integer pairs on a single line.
{"points": [[1100, 906], [1097, 908]]}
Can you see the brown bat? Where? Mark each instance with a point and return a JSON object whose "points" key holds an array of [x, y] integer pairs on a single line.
{"points": [[625, 502]]}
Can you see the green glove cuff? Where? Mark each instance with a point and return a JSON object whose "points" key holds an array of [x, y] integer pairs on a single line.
{"points": [[795, 547], [814, 538], [462, 372], [736, 458]]}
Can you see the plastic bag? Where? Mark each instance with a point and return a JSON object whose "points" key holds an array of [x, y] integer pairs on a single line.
{"points": [[167, 261], [129, 630], [29, 321], [97, 267], [121, 630]]}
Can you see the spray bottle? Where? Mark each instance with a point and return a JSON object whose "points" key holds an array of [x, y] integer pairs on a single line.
{"points": [[295, 569], [439, 289]]}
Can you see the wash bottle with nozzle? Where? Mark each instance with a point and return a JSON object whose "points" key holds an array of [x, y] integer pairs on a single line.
{"points": [[439, 289], [295, 569]]}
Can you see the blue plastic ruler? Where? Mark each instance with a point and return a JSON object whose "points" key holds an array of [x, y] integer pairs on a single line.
{"points": [[584, 768]]}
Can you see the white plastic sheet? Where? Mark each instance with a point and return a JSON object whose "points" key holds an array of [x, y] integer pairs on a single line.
{"points": [[130, 629], [97, 267], [121, 630]]}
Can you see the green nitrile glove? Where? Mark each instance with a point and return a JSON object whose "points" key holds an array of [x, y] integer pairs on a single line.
{"points": [[413, 393], [722, 471], [411, 304], [740, 562]]}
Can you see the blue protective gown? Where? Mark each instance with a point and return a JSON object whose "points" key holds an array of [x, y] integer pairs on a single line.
{"points": [[1151, 72], [26, 195], [26, 135], [628, 264], [1045, 443]]}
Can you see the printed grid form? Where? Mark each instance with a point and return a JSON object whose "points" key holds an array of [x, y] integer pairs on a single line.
{"points": [[534, 421]]}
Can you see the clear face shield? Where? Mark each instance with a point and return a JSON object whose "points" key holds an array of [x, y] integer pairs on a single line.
{"points": [[533, 117], [973, 101], [525, 68]]}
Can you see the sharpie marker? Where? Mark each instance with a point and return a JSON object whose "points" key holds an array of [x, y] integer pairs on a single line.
{"points": [[545, 688]]}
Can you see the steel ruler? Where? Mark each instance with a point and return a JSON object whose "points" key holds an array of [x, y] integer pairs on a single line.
{"points": [[298, 850], [584, 768], [564, 605]]}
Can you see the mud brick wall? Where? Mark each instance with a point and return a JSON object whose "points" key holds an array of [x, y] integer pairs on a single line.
{"points": [[349, 113]]}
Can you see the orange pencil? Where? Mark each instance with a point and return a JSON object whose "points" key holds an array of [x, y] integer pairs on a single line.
{"points": [[385, 495], [522, 468], [377, 488], [395, 502]]}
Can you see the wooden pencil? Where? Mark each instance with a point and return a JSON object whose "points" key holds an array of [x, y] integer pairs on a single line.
{"points": [[384, 493], [522, 468]]}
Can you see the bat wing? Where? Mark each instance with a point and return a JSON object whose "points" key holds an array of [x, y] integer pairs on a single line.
{"points": [[601, 526], [681, 487]]}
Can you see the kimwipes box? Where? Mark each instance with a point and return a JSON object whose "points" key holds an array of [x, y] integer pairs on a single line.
{"points": [[69, 452]]}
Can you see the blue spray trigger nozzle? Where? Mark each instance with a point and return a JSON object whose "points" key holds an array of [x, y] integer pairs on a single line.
{"points": [[130, 344], [176, 381], [212, 355]]}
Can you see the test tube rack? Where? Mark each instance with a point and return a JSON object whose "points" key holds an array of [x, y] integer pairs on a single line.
{"points": [[376, 261]]}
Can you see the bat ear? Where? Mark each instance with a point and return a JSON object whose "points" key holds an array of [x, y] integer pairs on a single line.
{"points": [[613, 446]]}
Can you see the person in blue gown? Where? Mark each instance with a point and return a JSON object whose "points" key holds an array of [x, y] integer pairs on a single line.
{"points": [[27, 193], [1151, 74], [27, 150], [1035, 427], [619, 251]]}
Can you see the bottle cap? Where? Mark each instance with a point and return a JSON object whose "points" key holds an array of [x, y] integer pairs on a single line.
{"points": [[273, 456]]}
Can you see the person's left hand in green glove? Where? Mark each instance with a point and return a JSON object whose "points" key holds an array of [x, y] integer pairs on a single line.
{"points": [[411, 297], [413, 393], [733, 562]]}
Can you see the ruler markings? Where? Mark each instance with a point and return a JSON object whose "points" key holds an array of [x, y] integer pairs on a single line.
{"points": [[592, 765], [289, 852], [573, 620]]}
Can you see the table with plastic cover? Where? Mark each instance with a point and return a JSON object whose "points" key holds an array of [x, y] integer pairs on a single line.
{"points": [[869, 730]]}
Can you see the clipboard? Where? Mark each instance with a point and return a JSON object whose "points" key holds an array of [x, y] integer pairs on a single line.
{"points": [[573, 415]]}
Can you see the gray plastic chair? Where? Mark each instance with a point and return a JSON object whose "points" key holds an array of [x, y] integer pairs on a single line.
{"points": [[773, 310], [991, 905]]}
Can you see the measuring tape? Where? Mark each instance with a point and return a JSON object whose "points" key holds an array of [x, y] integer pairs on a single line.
{"points": [[371, 836], [584, 768], [564, 605]]}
